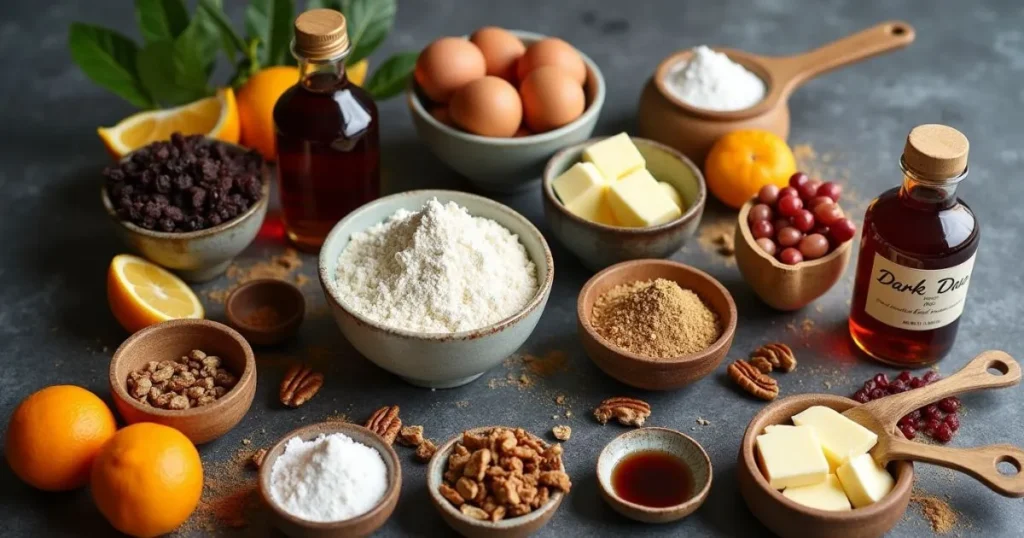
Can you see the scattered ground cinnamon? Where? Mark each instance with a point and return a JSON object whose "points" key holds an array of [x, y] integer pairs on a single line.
{"points": [[281, 267], [263, 317], [718, 236], [552, 362], [937, 511]]}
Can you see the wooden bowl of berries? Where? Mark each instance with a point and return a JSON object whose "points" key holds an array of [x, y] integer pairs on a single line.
{"points": [[793, 244]]}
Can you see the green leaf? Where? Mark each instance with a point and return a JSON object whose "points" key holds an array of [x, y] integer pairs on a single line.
{"points": [[271, 22], [323, 4], [369, 22], [108, 59], [214, 13], [161, 19], [157, 71], [392, 76]]}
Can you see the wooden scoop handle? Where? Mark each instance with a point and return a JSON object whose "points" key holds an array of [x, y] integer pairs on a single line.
{"points": [[980, 462], [989, 370]]}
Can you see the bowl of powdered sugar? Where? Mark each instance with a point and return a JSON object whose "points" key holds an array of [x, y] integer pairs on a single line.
{"points": [[436, 286]]}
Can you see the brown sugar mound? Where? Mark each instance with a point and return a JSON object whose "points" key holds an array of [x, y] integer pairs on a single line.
{"points": [[655, 318]]}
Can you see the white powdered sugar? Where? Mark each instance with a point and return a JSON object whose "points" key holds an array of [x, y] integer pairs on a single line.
{"points": [[330, 478], [710, 80], [437, 270]]}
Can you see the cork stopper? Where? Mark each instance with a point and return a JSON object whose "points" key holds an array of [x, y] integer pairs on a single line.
{"points": [[936, 151], [321, 34]]}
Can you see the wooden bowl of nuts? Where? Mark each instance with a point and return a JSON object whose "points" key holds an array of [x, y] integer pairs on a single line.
{"points": [[194, 375], [496, 481]]}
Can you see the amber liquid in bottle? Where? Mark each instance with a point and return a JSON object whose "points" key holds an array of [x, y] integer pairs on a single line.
{"points": [[328, 147]]}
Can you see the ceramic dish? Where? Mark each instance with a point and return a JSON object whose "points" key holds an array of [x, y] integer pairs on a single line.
{"points": [[168, 341], [789, 519], [655, 439], [195, 256], [782, 286], [644, 372], [515, 527], [436, 360], [598, 245], [363, 525], [505, 164], [284, 297]]}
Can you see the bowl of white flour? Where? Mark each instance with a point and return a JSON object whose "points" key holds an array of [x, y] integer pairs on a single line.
{"points": [[436, 286]]}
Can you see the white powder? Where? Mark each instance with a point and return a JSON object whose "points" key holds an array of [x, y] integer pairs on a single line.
{"points": [[330, 478], [437, 270], [710, 80]]}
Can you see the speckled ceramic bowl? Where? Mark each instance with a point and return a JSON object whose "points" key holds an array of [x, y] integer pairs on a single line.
{"points": [[436, 360], [505, 164], [195, 256], [598, 245]]}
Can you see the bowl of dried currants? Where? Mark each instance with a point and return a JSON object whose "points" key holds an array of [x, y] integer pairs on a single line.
{"points": [[190, 204], [793, 243]]}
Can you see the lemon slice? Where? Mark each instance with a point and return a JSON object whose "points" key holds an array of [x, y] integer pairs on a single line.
{"points": [[142, 294], [215, 116]]}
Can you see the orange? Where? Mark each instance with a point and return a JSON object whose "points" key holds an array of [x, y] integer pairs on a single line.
{"points": [[742, 162], [54, 435], [141, 294], [215, 116], [147, 479]]}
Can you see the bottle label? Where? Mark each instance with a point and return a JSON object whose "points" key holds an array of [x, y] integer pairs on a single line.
{"points": [[917, 299]]}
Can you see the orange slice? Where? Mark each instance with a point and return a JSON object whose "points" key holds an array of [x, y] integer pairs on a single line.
{"points": [[142, 294], [215, 116]]}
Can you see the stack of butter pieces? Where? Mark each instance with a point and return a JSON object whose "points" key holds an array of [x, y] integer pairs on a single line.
{"points": [[613, 187], [822, 461]]}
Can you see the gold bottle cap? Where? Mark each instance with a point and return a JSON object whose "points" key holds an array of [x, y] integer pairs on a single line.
{"points": [[936, 151], [321, 34]]}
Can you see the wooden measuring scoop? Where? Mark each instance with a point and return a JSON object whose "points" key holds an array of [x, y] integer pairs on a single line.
{"points": [[991, 369]]}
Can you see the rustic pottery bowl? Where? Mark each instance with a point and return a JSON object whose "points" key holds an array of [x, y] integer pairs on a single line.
{"points": [[782, 286], [363, 525], [505, 164], [170, 340], [515, 527], [645, 372], [599, 245], [789, 519], [195, 256], [664, 440], [284, 297], [436, 360]]}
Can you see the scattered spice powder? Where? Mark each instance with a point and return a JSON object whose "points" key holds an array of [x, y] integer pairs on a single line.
{"points": [[655, 318], [263, 317], [551, 363], [939, 514], [718, 236], [280, 267]]}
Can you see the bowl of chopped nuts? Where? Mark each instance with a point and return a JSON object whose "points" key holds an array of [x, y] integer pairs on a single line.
{"points": [[497, 482], [194, 375]]}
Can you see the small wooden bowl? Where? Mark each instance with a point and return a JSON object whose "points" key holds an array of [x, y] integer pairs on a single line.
{"points": [[781, 286], [284, 297], [664, 440], [362, 525], [645, 372], [170, 340], [515, 527], [789, 519]]}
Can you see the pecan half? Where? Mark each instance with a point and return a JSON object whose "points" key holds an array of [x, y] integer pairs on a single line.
{"points": [[385, 423], [299, 385], [752, 380], [411, 436], [779, 355], [628, 411], [762, 364]]}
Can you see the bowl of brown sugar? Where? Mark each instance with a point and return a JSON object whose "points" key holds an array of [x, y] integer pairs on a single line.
{"points": [[655, 324]]}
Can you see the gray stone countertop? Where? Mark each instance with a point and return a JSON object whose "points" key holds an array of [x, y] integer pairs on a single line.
{"points": [[965, 69]]}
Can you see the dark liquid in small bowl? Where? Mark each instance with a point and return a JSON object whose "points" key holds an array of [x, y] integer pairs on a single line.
{"points": [[653, 478]]}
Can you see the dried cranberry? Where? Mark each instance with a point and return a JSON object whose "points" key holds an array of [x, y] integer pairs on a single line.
{"points": [[897, 386], [943, 433], [905, 376], [914, 415], [881, 380], [877, 393], [870, 385], [953, 421], [931, 425], [909, 431], [949, 405], [861, 396], [906, 420], [932, 411], [917, 383], [931, 376]]}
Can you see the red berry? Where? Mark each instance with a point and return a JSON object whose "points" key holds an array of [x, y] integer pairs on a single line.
{"points": [[842, 230], [785, 192], [931, 425], [905, 376], [761, 228], [818, 200], [832, 190], [767, 245], [932, 412], [788, 236], [943, 433], [881, 380], [759, 212], [949, 405], [768, 194], [909, 431], [813, 246], [798, 179], [803, 220], [870, 385], [930, 377], [877, 393], [790, 256], [917, 383], [824, 213], [953, 421], [781, 223], [861, 396], [790, 205], [906, 420], [809, 190], [914, 415], [897, 386]]}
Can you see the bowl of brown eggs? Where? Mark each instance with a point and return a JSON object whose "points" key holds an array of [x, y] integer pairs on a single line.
{"points": [[495, 105]]}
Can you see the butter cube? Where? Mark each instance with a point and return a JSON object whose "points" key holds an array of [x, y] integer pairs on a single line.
{"points": [[864, 480], [615, 156], [638, 201], [792, 457], [841, 438], [672, 194], [827, 495], [582, 190]]}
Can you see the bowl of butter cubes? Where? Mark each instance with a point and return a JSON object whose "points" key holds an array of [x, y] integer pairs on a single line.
{"points": [[622, 198]]}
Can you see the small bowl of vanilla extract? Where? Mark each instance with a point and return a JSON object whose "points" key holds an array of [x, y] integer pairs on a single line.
{"points": [[654, 475]]}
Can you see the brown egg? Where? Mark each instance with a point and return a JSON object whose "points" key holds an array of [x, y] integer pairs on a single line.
{"points": [[551, 99], [440, 113], [553, 51], [501, 51], [522, 131], [489, 106], [447, 65]]}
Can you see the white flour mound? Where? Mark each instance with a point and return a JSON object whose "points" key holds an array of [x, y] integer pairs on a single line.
{"points": [[437, 270], [712, 81]]}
